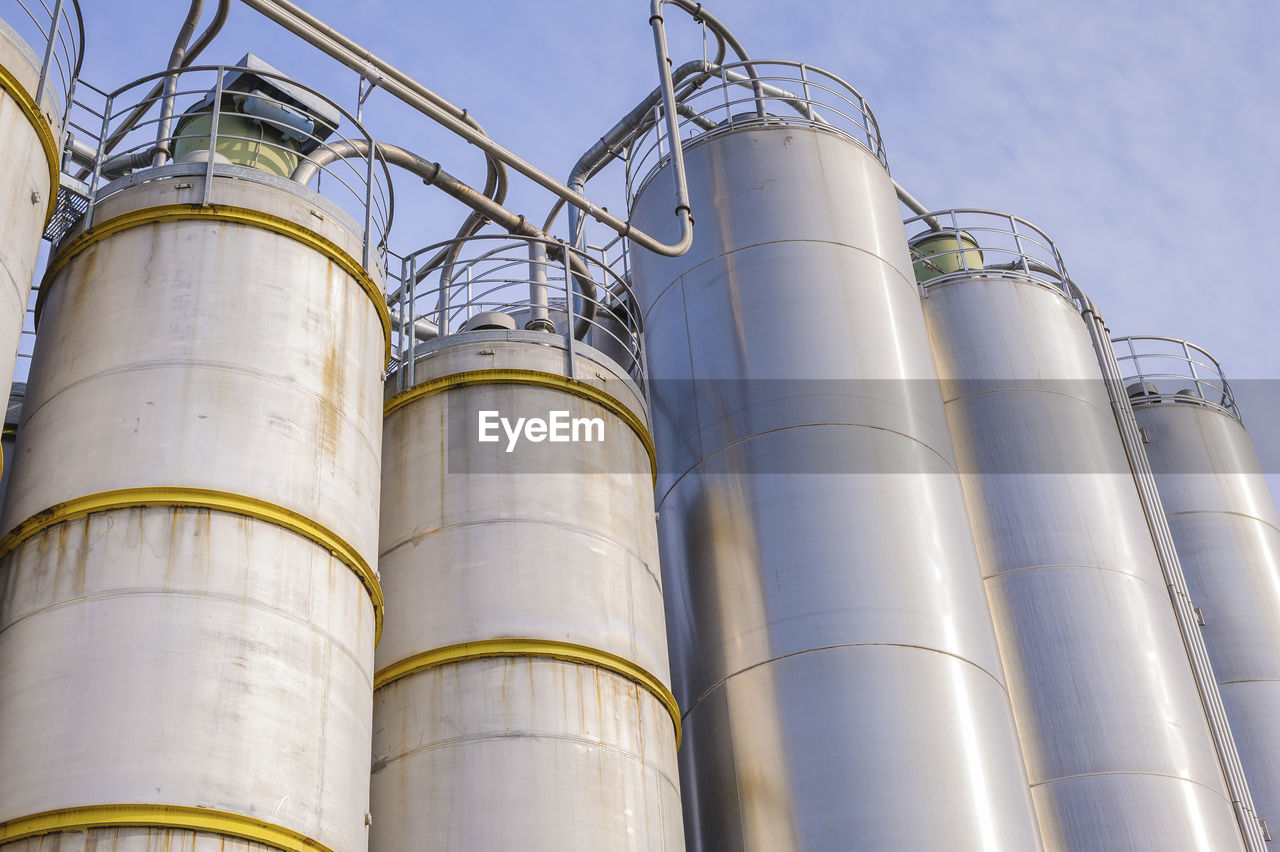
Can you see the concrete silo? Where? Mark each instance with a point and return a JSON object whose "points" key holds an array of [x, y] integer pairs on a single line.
{"points": [[189, 606]]}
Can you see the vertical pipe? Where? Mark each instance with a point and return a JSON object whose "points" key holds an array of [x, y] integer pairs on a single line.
{"points": [[171, 83], [538, 314]]}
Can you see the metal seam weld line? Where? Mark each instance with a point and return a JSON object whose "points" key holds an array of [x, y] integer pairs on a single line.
{"points": [[520, 647], [201, 498], [221, 213], [500, 376], [177, 817], [31, 110]]}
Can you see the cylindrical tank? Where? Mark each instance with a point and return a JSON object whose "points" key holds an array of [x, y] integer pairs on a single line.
{"points": [[1117, 744], [29, 164], [1225, 525], [523, 691], [9, 436], [188, 610], [832, 649]]}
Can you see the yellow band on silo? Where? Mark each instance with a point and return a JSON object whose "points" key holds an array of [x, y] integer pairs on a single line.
{"points": [[175, 817], [32, 111], [222, 213], [519, 647], [201, 498], [536, 378]]}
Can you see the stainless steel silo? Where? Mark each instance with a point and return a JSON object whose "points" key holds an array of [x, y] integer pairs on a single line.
{"points": [[523, 691], [39, 51], [188, 609], [1117, 743], [832, 648], [1227, 531]]}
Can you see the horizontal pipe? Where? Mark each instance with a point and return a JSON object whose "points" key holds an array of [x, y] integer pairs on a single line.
{"points": [[413, 93], [423, 328]]}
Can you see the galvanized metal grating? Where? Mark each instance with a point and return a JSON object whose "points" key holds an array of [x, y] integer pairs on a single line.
{"points": [[71, 207]]}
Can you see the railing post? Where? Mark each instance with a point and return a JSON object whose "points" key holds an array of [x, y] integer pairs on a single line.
{"points": [[213, 139], [808, 99], [368, 207], [724, 87], [64, 128], [1017, 241], [568, 308], [410, 296], [405, 322], [97, 162], [1195, 376], [48, 56]]}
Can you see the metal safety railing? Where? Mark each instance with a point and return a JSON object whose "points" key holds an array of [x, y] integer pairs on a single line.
{"points": [[255, 132], [50, 36], [963, 243], [503, 282], [1166, 369], [757, 93]]}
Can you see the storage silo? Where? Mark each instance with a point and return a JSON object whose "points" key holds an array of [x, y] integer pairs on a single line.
{"points": [[523, 691], [1116, 740], [9, 436], [832, 649], [189, 607], [1227, 531], [36, 73]]}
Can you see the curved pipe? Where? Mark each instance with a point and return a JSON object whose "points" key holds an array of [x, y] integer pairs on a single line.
{"points": [[413, 93], [132, 119], [364, 62], [487, 208], [605, 150], [640, 119], [179, 51], [716, 26], [637, 121], [632, 124], [75, 73]]}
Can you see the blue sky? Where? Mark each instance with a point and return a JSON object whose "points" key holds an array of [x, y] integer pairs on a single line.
{"points": [[1142, 136]]}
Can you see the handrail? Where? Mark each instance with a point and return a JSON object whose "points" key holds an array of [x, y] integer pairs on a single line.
{"points": [[275, 140], [515, 283], [965, 242], [799, 93], [1168, 369], [55, 35]]}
